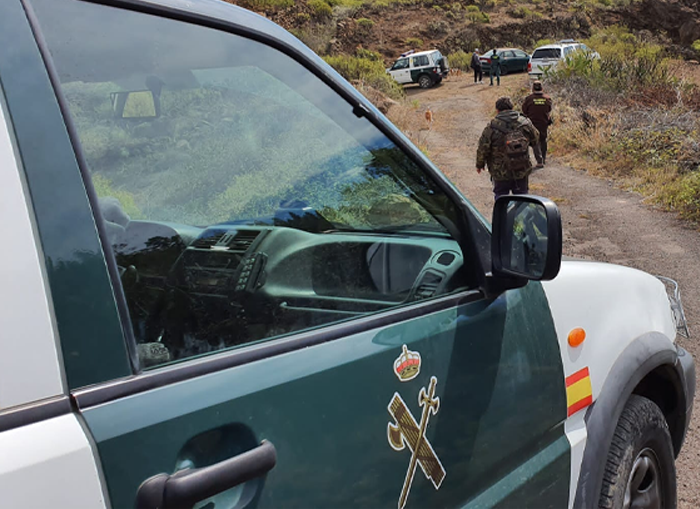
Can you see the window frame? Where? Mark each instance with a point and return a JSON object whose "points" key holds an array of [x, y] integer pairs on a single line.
{"points": [[470, 223]]}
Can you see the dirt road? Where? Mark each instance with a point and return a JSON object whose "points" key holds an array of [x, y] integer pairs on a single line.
{"points": [[600, 221]]}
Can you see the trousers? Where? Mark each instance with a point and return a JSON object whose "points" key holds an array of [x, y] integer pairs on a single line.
{"points": [[504, 187]]}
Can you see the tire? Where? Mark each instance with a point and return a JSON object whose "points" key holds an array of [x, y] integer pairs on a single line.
{"points": [[504, 70], [425, 81], [640, 471]]}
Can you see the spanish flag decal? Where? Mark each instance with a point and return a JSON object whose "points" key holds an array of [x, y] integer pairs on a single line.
{"points": [[579, 393]]}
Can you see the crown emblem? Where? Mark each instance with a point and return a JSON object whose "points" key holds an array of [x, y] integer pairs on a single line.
{"points": [[407, 365]]}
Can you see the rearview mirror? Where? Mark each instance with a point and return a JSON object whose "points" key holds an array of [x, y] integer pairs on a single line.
{"points": [[137, 104], [527, 240]]}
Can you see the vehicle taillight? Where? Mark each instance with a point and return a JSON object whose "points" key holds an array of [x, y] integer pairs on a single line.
{"points": [[529, 66]]}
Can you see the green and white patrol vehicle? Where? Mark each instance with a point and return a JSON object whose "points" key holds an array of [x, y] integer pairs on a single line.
{"points": [[228, 281], [426, 68]]}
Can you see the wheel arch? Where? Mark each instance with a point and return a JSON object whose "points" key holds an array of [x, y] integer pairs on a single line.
{"points": [[423, 73], [650, 366], [663, 386]]}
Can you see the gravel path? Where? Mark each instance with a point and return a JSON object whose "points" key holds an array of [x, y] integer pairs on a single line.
{"points": [[601, 222]]}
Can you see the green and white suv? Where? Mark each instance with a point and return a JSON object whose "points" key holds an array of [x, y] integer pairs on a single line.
{"points": [[227, 281], [426, 68]]}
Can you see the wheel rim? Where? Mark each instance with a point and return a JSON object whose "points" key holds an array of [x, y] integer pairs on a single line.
{"points": [[644, 490]]}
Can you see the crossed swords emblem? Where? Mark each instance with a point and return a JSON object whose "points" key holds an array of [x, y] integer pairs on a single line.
{"points": [[404, 431]]}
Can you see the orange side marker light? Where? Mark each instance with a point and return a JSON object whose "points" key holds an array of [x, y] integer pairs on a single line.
{"points": [[576, 337]]}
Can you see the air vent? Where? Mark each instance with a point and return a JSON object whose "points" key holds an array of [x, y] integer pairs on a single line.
{"points": [[243, 240], [428, 286], [231, 240], [446, 259], [207, 242]]}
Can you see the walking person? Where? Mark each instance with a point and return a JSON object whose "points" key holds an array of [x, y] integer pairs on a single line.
{"points": [[495, 67], [538, 108], [476, 65], [504, 149]]}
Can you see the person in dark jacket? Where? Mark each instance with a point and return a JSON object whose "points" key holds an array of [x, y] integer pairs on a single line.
{"points": [[508, 174], [476, 65], [495, 67], [538, 108]]}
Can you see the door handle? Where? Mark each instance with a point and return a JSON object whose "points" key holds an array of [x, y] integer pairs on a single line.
{"points": [[185, 488]]}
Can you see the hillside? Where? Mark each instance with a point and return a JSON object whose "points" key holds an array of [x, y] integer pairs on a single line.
{"points": [[390, 27]]}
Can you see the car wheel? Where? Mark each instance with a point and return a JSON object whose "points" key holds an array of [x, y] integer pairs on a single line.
{"points": [[640, 471], [504, 70], [425, 81]]}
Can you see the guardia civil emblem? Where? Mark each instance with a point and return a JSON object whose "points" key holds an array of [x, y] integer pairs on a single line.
{"points": [[407, 365], [405, 432]]}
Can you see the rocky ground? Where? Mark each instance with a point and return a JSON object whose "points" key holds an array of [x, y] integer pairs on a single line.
{"points": [[601, 222]]}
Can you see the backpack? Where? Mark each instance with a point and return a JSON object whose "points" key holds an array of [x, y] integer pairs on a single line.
{"points": [[515, 144]]}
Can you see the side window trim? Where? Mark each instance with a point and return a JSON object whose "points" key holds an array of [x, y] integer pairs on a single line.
{"points": [[107, 251], [87, 321]]}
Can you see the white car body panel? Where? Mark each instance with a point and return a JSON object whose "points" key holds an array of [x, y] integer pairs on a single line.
{"points": [[614, 305], [29, 362], [49, 464]]}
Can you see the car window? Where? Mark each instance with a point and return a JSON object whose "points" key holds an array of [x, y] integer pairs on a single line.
{"points": [[401, 63], [242, 197], [420, 61], [509, 54], [546, 53], [520, 54], [568, 50]]}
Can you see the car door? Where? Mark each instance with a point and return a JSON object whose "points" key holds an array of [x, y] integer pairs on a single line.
{"points": [[401, 71], [521, 60], [300, 315]]}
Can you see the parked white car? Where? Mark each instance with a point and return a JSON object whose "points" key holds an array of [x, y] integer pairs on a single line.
{"points": [[547, 57], [427, 68]]}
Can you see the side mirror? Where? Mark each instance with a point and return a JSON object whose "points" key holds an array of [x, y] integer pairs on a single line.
{"points": [[527, 238], [138, 104]]}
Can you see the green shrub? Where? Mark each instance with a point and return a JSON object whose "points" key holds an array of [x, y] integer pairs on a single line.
{"points": [[544, 42], [459, 60], [627, 66], [523, 12], [370, 72], [364, 23], [320, 8], [414, 42], [437, 28], [475, 15], [696, 46], [267, 5], [318, 36], [368, 54]]}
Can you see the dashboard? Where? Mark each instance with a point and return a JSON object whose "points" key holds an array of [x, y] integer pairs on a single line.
{"points": [[201, 289]]}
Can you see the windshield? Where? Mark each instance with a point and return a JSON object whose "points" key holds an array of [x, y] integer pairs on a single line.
{"points": [[235, 131], [547, 53]]}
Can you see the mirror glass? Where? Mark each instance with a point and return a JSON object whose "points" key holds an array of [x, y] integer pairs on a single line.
{"points": [[138, 104], [524, 246]]}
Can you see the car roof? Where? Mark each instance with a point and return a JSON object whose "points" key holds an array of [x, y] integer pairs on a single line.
{"points": [[425, 52], [558, 45]]}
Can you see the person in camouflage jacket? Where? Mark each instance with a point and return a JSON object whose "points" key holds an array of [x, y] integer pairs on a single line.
{"points": [[490, 152]]}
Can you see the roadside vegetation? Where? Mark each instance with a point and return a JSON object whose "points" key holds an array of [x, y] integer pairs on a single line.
{"points": [[629, 117]]}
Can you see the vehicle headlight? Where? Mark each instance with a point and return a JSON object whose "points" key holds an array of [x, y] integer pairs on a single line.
{"points": [[674, 298]]}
